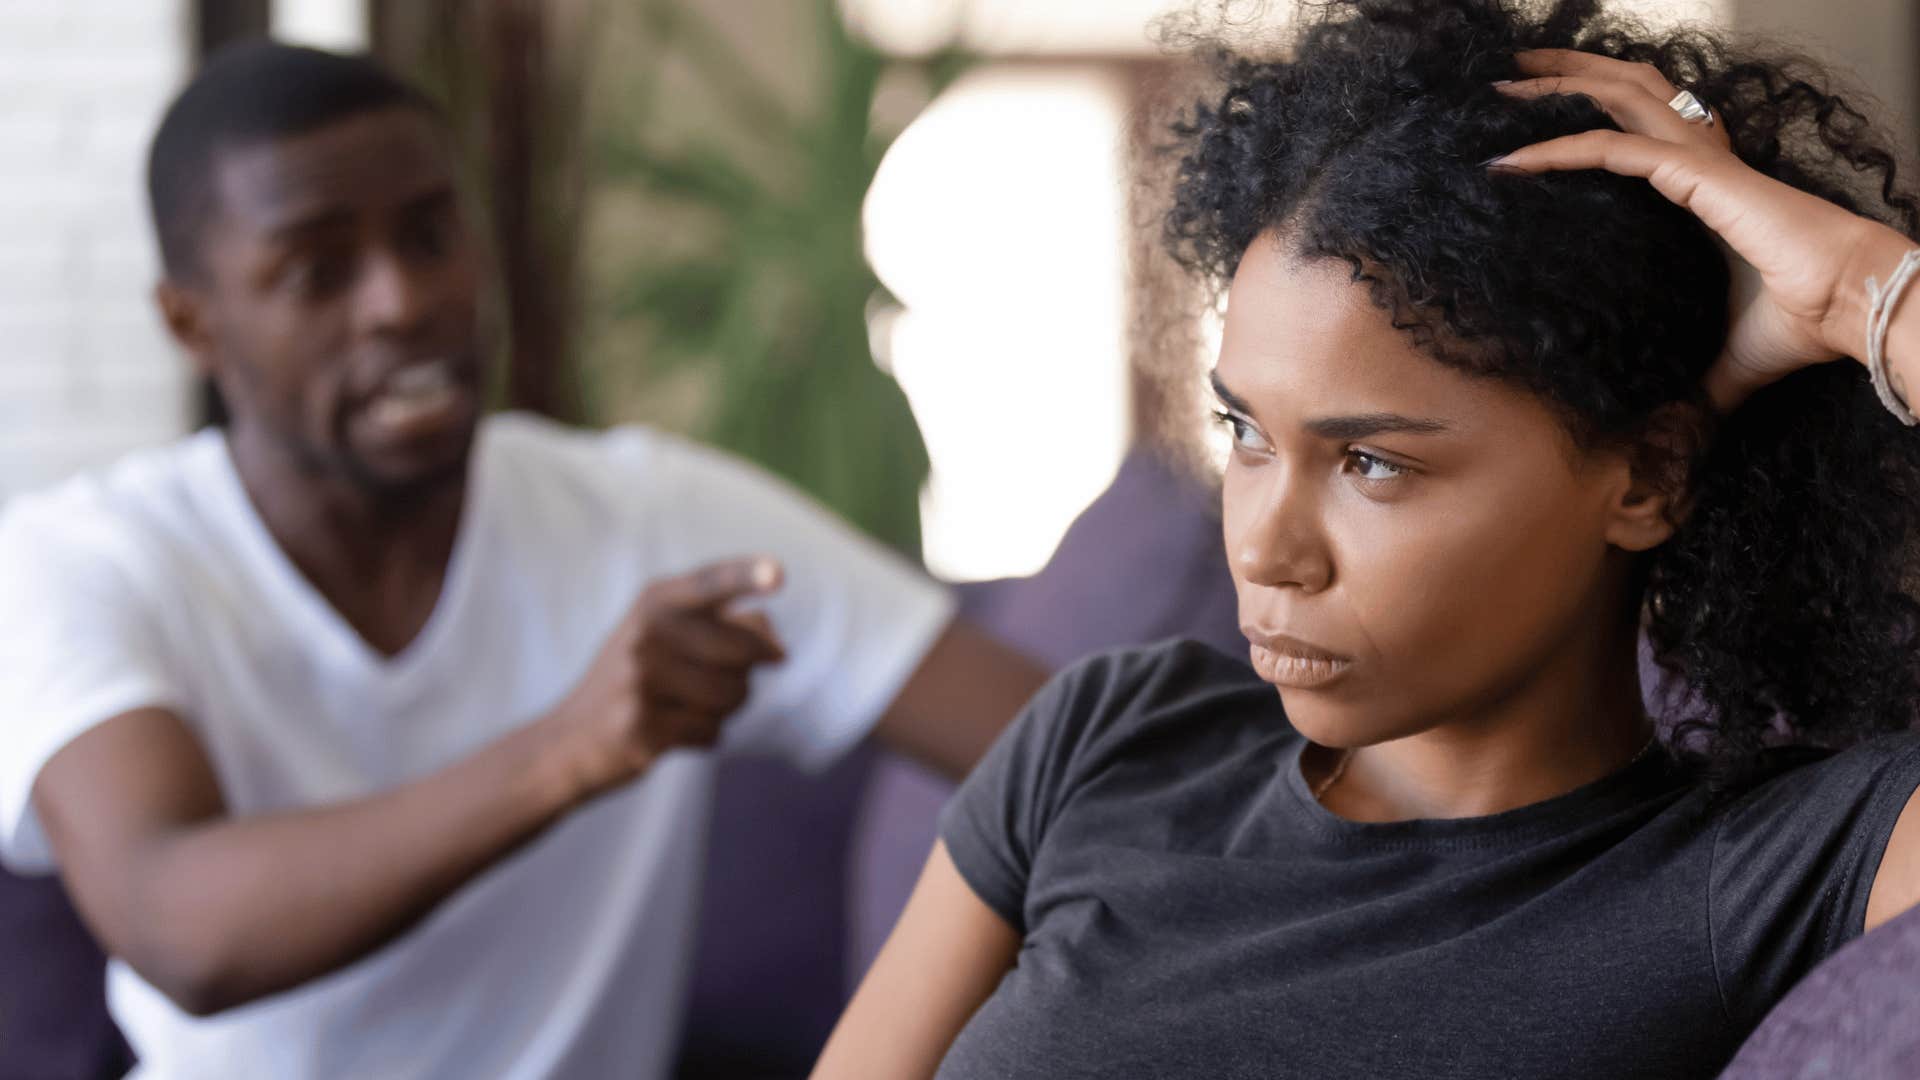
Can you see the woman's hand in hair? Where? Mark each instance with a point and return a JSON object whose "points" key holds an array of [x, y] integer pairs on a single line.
{"points": [[1799, 262]]}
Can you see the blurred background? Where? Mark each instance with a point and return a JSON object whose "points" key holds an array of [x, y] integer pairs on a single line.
{"points": [[885, 247], [898, 251]]}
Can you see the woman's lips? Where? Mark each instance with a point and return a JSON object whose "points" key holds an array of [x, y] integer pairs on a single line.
{"points": [[1284, 661]]}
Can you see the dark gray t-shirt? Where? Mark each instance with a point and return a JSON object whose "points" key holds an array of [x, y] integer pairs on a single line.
{"points": [[1189, 910]]}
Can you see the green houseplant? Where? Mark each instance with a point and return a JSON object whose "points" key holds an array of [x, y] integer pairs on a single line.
{"points": [[765, 311]]}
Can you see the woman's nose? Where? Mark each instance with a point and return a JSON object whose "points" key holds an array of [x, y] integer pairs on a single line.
{"points": [[1281, 542]]}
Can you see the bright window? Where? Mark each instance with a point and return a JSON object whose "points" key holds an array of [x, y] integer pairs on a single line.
{"points": [[997, 220]]}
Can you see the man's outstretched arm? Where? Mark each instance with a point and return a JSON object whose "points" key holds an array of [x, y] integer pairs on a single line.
{"points": [[964, 692], [216, 910]]}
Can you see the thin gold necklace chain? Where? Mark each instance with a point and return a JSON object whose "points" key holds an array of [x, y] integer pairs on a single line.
{"points": [[1346, 756], [1339, 770]]}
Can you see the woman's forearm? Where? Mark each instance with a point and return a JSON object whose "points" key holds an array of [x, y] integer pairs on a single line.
{"points": [[1877, 253]]}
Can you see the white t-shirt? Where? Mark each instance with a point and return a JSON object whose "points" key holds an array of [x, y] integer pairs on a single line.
{"points": [[157, 584]]}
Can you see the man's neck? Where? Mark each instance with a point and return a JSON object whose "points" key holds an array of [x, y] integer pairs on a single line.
{"points": [[379, 558]]}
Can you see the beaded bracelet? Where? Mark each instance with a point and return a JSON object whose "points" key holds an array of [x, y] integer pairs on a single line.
{"points": [[1880, 303]]}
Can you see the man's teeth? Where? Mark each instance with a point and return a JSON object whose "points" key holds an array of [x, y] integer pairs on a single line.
{"points": [[398, 409], [413, 393], [418, 381]]}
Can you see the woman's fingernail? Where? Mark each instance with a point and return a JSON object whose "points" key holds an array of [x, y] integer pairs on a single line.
{"points": [[1503, 82], [1497, 159]]}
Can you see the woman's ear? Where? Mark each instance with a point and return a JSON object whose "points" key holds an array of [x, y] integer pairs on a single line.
{"points": [[1656, 496]]}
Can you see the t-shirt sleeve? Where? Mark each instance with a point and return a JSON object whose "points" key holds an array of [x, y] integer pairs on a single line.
{"points": [[855, 616], [1794, 862], [82, 646], [995, 823]]}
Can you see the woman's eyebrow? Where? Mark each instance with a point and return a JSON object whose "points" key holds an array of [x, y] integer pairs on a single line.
{"points": [[1359, 426], [1365, 425], [1227, 397]]}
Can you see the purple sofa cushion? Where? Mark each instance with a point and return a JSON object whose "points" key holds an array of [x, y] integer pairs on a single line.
{"points": [[1144, 562], [53, 989], [769, 955]]}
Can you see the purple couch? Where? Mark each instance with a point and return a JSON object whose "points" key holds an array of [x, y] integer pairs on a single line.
{"points": [[53, 1007]]}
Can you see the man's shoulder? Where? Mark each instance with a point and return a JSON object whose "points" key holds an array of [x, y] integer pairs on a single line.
{"points": [[530, 443], [623, 469], [548, 486], [137, 501]]}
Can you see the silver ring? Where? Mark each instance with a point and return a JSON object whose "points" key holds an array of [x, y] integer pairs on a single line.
{"points": [[1690, 109]]}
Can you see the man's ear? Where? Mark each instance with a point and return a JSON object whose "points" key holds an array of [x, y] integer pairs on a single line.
{"points": [[184, 311], [1655, 497]]}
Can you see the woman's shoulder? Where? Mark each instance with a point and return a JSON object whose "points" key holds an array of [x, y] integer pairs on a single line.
{"points": [[1817, 814], [1798, 797], [1788, 778], [1111, 731], [1794, 857]]}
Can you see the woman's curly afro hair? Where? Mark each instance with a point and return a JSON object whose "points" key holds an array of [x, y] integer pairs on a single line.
{"points": [[1780, 601]]}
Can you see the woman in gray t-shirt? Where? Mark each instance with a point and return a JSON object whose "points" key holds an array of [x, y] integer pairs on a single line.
{"points": [[1491, 419]]}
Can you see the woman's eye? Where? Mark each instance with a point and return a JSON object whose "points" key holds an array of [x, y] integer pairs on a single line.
{"points": [[1244, 435], [1368, 467]]}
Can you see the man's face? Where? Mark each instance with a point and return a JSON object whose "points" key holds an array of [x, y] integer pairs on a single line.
{"points": [[336, 305]]}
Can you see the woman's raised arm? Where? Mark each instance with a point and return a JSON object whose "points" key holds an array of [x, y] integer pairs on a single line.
{"points": [[1801, 267]]}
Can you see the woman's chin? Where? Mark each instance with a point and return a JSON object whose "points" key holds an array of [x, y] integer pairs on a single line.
{"points": [[1317, 723], [1335, 727]]}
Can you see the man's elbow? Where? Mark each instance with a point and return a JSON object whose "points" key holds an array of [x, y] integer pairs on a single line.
{"points": [[193, 979], [199, 1000], [187, 957]]}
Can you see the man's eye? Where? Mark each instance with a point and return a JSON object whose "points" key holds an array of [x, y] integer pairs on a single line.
{"points": [[429, 234], [315, 274]]}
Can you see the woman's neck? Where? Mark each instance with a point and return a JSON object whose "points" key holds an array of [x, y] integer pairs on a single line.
{"points": [[1578, 719]]}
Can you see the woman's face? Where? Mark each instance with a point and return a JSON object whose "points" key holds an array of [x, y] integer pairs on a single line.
{"points": [[1412, 546]]}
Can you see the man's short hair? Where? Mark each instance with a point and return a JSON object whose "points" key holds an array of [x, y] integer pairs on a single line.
{"points": [[249, 93]]}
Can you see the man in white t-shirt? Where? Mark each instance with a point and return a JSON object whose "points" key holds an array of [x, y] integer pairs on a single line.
{"points": [[365, 732]]}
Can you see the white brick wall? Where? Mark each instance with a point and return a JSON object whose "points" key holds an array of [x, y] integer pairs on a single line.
{"points": [[86, 371]]}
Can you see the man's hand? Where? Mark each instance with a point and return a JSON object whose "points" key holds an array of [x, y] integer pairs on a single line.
{"points": [[671, 673]]}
